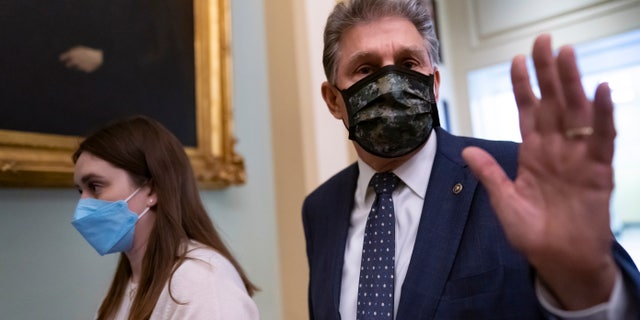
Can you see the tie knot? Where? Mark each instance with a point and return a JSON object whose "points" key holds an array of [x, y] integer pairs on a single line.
{"points": [[384, 182]]}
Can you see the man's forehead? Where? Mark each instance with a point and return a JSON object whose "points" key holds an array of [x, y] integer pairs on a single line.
{"points": [[397, 50], [388, 35]]}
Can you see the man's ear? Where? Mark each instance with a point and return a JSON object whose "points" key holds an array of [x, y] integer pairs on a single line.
{"points": [[333, 99], [436, 83]]}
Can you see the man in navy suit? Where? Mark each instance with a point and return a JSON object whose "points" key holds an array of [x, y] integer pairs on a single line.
{"points": [[483, 229]]}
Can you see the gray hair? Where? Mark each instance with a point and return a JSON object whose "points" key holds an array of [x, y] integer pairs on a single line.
{"points": [[349, 13]]}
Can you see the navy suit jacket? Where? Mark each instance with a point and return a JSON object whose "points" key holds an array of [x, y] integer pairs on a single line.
{"points": [[462, 266]]}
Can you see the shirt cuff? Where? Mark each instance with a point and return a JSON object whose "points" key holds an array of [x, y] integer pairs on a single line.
{"points": [[615, 308]]}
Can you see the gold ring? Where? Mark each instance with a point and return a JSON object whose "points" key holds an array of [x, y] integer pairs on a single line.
{"points": [[578, 132]]}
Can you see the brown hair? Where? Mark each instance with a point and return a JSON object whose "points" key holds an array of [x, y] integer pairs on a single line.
{"points": [[151, 154]]}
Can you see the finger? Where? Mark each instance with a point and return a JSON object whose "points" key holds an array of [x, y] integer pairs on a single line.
{"points": [[526, 100], [548, 116], [578, 112], [490, 174], [601, 143]]}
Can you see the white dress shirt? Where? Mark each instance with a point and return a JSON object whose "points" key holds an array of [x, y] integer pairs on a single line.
{"points": [[408, 199]]}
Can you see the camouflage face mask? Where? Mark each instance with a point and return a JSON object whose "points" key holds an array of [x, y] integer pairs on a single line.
{"points": [[392, 111]]}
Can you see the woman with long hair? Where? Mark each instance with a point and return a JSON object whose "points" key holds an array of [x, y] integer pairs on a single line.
{"points": [[139, 197]]}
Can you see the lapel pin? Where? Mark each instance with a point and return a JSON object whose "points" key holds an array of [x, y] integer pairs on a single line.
{"points": [[457, 188]]}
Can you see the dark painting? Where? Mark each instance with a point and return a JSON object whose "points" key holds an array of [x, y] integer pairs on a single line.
{"points": [[69, 66]]}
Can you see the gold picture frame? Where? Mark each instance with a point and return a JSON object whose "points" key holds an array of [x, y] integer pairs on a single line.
{"points": [[29, 159]]}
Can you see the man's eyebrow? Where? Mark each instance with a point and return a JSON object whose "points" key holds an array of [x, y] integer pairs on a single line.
{"points": [[404, 51], [413, 50], [358, 56]]}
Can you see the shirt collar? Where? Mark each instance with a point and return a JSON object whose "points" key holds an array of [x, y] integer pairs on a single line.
{"points": [[414, 173]]}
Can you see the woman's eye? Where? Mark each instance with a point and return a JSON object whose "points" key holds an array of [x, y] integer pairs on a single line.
{"points": [[93, 187]]}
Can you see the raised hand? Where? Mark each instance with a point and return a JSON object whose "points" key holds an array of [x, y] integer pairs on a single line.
{"points": [[557, 210]]}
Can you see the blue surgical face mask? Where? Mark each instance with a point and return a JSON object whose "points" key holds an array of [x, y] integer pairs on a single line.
{"points": [[108, 226]]}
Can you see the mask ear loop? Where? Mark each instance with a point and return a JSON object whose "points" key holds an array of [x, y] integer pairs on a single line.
{"points": [[143, 213], [131, 196]]}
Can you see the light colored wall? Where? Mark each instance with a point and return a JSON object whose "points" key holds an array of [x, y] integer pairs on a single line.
{"points": [[290, 153], [48, 271], [481, 33], [309, 145]]}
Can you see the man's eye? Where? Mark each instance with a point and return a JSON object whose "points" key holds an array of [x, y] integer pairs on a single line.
{"points": [[409, 64], [364, 70]]}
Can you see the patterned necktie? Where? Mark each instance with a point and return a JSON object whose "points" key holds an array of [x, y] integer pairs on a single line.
{"points": [[375, 289]]}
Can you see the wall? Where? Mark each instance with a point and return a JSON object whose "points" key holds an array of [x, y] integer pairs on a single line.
{"points": [[481, 33], [48, 271], [309, 145]]}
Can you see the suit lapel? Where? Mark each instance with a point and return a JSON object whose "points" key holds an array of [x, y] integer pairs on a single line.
{"points": [[443, 219], [341, 217]]}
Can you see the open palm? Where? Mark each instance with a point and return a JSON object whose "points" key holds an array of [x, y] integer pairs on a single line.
{"points": [[557, 210]]}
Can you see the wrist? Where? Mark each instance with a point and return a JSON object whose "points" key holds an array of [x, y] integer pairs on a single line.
{"points": [[578, 287]]}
